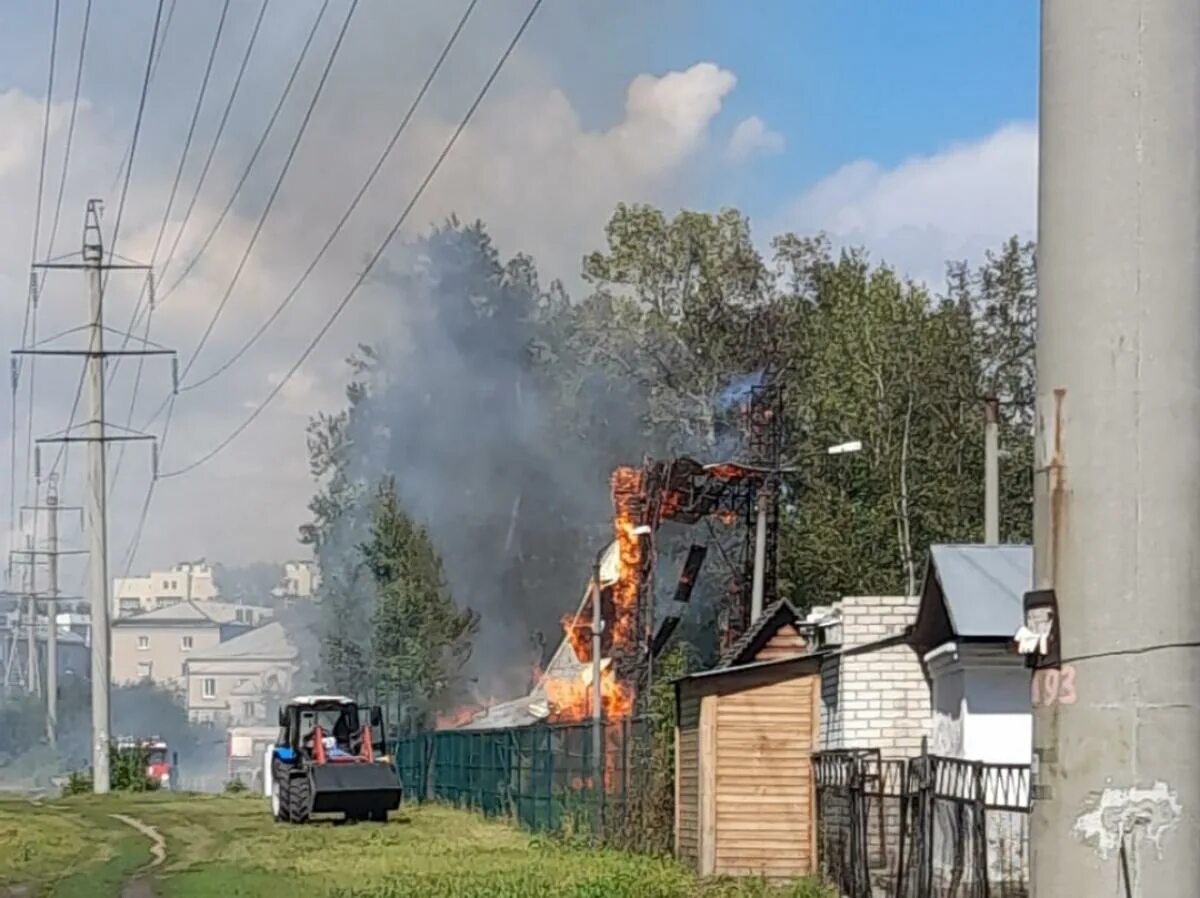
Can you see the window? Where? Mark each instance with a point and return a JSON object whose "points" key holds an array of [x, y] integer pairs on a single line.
{"points": [[143, 669], [143, 643], [129, 606], [248, 710], [166, 585], [208, 688], [185, 643]]}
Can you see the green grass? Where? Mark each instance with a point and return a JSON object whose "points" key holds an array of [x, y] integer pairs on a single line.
{"points": [[228, 846], [68, 848]]}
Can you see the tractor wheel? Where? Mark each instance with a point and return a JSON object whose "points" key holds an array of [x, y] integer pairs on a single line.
{"points": [[280, 801], [300, 799]]}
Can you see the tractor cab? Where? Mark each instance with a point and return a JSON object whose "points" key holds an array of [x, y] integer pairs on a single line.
{"points": [[330, 729], [331, 756]]}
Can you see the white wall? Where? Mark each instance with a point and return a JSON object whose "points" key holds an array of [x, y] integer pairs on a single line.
{"points": [[161, 588], [877, 698], [999, 716], [981, 708], [949, 694]]}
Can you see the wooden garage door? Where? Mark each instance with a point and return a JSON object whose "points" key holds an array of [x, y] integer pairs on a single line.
{"points": [[764, 795]]}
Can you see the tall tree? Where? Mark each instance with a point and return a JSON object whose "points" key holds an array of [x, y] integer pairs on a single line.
{"points": [[420, 640]]}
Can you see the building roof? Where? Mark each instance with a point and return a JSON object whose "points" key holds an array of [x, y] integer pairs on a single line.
{"points": [[172, 615], [529, 709], [973, 592], [266, 643], [774, 617]]}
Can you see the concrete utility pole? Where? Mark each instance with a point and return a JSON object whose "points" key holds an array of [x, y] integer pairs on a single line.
{"points": [[1117, 525], [26, 619], [52, 613], [51, 596], [597, 674], [31, 659], [97, 511], [97, 439], [759, 580], [991, 470]]}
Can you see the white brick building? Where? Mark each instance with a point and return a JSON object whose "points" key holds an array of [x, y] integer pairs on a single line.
{"points": [[874, 693]]}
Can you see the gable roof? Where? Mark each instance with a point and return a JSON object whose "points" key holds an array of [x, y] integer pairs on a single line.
{"points": [[774, 618], [179, 613], [973, 592], [266, 643]]}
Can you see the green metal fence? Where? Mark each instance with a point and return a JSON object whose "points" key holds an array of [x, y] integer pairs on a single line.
{"points": [[541, 776]]}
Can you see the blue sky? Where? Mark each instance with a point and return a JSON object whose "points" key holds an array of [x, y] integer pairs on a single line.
{"points": [[906, 126], [841, 80], [878, 79]]}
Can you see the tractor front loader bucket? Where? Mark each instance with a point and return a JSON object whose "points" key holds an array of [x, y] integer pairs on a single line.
{"points": [[362, 790]]}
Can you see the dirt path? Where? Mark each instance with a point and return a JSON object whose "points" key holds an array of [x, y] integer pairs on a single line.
{"points": [[142, 885]]}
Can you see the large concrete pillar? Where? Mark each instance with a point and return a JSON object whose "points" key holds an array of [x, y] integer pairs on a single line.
{"points": [[1117, 522]]}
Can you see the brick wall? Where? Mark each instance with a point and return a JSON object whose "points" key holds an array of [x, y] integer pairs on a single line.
{"points": [[878, 698]]}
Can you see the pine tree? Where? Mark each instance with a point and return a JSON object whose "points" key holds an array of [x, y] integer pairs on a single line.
{"points": [[420, 640]]}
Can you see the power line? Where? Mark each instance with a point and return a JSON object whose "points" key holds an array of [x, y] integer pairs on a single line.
{"points": [[62, 453], [135, 543], [237, 83], [37, 215], [349, 209], [147, 284], [253, 156], [62, 181], [187, 145], [153, 62], [345, 301], [30, 323], [137, 130], [287, 164]]}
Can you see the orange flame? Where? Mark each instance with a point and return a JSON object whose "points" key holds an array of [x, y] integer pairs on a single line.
{"points": [[571, 697]]}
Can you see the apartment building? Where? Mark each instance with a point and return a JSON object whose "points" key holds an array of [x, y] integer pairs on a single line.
{"points": [[188, 581], [154, 646]]}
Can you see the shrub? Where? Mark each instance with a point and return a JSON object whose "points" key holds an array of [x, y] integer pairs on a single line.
{"points": [[127, 771], [79, 782]]}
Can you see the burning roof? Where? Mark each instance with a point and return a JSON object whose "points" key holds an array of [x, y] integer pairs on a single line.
{"points": [[565, 666]]}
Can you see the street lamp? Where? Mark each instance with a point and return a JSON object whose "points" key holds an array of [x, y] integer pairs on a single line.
{"points": [[760, 533], [845, 448]]}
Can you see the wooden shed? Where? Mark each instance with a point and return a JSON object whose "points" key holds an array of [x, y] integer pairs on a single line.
{"points": [[744, 797]]}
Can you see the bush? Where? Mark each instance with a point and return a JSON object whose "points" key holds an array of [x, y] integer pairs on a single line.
{"points": [[127, 771], [235, 787], [78, 783]]}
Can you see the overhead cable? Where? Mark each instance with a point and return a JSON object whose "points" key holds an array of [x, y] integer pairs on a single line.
{"points": [[345, 301]]}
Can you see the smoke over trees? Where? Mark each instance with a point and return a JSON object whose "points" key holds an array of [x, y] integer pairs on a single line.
{"points": [[491, 409]]}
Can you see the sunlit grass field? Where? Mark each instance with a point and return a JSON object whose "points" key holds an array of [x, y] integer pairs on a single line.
{"points": [[229, 846]]}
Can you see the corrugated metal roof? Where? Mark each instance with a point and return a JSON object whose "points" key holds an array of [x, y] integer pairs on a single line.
{"points": [[983, 587]]}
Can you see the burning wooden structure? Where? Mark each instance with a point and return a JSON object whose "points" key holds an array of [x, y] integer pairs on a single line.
{"points": [[680, 490]]}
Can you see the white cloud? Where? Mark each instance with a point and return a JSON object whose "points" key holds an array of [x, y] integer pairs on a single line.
{"points": [[543, 181], [950, 205], [547, 186], [752, 137]]}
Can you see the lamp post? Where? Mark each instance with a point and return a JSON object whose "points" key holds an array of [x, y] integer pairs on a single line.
{"points": [[760, 531]]}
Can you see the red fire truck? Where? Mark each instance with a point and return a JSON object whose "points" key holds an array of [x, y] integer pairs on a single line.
{"points": [[159, 766]]}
